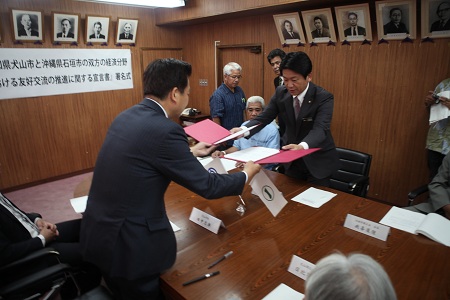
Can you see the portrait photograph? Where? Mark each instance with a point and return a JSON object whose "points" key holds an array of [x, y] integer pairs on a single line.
{"points": [[66, 27], [353, 22], [319, 25], [435, 18], [126, 31], [396, 20], [97, 29], [289, 28], [27, 25]]}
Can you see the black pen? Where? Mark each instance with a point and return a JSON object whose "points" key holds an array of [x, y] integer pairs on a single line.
{"points": [[220, 259], [201, 277]]}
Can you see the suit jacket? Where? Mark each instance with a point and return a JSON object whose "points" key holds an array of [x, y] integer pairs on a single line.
{"points": [[125, 230], [436, 26], [15, 240], [100, 36], [22, 32], [122, 36], [312, 126], [361, 31], [325, 33], [439, 189], [391, 28], [68, 35], [287, 36]]}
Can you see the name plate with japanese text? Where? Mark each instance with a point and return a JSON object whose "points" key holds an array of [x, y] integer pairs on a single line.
{"points": [[367, 227], [205, 220]]}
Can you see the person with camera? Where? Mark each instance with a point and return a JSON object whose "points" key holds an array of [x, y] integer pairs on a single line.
{"points": [[438, 138]]}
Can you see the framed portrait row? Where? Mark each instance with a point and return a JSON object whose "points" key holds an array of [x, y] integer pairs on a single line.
{"points": [[396, 20], [28, 26]]}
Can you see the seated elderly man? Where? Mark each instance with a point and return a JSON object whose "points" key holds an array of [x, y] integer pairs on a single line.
{"points": [[356, 276], [268, 137]]}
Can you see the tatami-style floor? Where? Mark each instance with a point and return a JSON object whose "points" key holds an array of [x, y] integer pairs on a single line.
{"points": [[51, 200]]}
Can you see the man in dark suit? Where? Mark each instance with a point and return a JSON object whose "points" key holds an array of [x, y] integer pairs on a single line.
{"points": [[23, 233], [97, 30], [275, 57], [439, 192], [27, 29], [126, 34], [310, 128], [320, 30], [354, 29], [288, 31], [443, 12], [395, 25], [125, 230], [65, 30]]}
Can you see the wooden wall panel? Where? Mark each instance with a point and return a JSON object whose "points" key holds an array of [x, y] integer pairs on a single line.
{"points": [[48, 137], [378, 89]]}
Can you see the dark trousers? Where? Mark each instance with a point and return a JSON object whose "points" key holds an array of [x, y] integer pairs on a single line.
{"points": [[140, 289], [434, 162], [67, 244], [298, 169]]}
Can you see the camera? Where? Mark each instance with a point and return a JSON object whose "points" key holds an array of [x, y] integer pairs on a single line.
{"points": [[436, 98]]}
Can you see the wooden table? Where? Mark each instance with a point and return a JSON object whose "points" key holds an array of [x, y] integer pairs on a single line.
{"points": [[263, 246]]}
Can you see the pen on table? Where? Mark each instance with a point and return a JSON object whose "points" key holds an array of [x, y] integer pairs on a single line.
{"points": [[242, 200], [201, 277], [220, 259]]}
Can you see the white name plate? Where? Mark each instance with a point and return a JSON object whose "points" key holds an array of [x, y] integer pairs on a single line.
{"points": [[300, 267], [206, 220], [367, 227]]}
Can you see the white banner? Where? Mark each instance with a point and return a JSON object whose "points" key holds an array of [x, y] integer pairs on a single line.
{"points": [[43, 72]]}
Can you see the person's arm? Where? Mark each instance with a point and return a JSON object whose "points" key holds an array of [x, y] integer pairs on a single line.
{"points": [[439, 187], [216, 108]]}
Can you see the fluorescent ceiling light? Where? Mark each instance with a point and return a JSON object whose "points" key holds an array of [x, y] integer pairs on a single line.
{"points": [[148, 3]]}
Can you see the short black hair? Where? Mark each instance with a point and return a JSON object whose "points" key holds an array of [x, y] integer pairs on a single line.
{"points": [[274, 53], [162, 75], [298, 62]]}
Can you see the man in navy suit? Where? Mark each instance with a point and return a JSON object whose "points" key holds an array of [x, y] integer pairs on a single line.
{"points": [[125, 230], [313, 106], [23, 233]]}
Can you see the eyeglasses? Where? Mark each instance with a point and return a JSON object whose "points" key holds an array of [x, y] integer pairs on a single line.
{"points": [[235, 76], [443, 10]]}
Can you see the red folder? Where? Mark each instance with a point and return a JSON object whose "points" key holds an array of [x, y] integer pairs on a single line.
{"points": [[283, 156], [209, 132]]}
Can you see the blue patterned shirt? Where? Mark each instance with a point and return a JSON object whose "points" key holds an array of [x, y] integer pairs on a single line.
{"points": [[228, 106]]}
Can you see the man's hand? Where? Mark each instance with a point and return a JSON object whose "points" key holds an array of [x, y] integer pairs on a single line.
{"points": [[236, 129], [47, 229], [292, 147], [217, 153], [202, 149], [251, 169]]}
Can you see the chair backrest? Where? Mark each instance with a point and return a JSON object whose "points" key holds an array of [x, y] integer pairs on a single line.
{"points": [[355, 167]]}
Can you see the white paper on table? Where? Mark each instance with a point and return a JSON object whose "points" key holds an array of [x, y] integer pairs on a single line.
{"points": [[314, 197], [284, 292], [403, 219], [439, 111], [175, 228], [252, 153], [79, 204]]}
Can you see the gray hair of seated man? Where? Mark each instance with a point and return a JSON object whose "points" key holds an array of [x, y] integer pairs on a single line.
{"points": [[256, 99], [231, 66], [353, 277]]}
